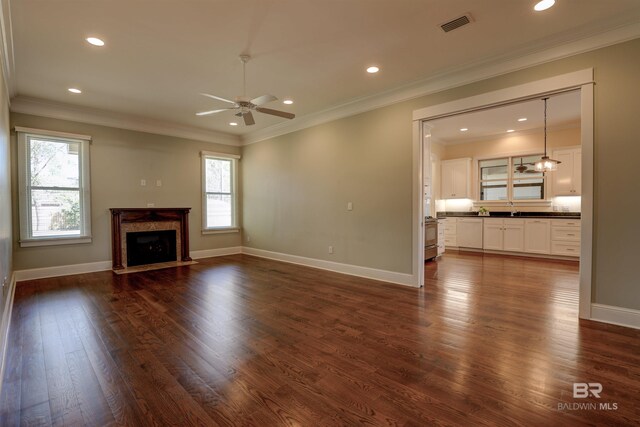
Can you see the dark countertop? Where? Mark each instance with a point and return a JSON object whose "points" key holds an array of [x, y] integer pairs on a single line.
{"points": [[560, 215]]}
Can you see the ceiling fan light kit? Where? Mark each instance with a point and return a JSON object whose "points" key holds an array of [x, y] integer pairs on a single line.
{"points": [[546, 164], [246, 105]]}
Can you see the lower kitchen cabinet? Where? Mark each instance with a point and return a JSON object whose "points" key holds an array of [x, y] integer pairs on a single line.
{"points": [[469, 233], [503, 235], [537, 236], [565, 238], [544, 236]]}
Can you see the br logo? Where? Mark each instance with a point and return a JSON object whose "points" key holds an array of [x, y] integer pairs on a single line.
{"points": [[584, 390]]}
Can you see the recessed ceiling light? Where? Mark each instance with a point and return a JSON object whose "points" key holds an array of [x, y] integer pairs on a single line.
{"points": [[522, 119], [233, 124], [95, 41], [74, 90], [463, 129], [287, 101], [510, 130], [373, 70], [544, 5]]}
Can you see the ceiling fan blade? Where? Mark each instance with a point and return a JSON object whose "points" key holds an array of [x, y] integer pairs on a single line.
{"points": [[218, 98], [276, 112], [248, 118], [206, 113], [261, 100]]}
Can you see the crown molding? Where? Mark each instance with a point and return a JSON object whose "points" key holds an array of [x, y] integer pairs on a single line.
{"points": [[486, 69], [57, 110], [7, 61]]}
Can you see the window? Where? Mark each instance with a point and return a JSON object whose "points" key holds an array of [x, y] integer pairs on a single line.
{"points": [[219, 184], [54, 188], [493, 179], [511, 178]]}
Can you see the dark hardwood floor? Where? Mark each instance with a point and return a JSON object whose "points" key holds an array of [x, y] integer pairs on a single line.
{"points": [[240, 340]]}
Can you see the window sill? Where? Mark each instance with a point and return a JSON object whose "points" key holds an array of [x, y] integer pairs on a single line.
{"points": [[54, 241], [221, 230]]}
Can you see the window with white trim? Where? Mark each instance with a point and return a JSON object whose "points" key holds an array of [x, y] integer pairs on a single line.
{"points": [[54, 188], [219, 188], [511, 179]]}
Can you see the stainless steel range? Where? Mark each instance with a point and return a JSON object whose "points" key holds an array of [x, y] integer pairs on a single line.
{"points": [[430, 238]]}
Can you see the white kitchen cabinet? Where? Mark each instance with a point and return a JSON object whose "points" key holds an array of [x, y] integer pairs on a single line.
{"points": [[456, 179], [514, 235], [503, 234], [493, 236], [537, 236], [441, 238], [565, 237], [567, 180], [450, 232], [469, 233]]}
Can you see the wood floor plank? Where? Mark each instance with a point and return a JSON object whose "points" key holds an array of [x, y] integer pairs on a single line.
{"points": [[238, 340]]}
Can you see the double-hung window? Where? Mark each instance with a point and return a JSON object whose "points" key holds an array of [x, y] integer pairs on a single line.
{"points": [[511, 179], [219, 192], [54, 199]]}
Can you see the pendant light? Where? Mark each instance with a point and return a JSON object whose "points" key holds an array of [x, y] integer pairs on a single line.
{"points": [[546, 164]]}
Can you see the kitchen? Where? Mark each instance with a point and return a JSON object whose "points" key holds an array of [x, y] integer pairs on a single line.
{"points": [[489, 190]]}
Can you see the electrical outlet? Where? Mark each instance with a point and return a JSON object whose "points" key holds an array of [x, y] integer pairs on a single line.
{"points": [[143, 182], [330, 249], [248, 238], [151, 205], [158, 183], [350, 206]]}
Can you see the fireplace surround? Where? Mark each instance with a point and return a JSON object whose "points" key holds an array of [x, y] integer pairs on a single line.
{"points": [[139, 220]]}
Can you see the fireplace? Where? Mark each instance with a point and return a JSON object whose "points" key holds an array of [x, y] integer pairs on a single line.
{"points": [[155, 235], [151, 247]]}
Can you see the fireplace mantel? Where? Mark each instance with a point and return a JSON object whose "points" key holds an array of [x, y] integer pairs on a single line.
{"points": [[120, 216]]}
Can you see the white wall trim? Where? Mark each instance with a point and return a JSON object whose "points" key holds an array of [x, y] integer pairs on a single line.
{"points": [[210, 253], [350, 269], [6, 325], [61, 270], [58, 110], [616, 315], [488, 68]]}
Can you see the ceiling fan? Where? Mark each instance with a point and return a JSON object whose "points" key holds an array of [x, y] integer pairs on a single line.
{"points": [[245, 105], [524, 168]]}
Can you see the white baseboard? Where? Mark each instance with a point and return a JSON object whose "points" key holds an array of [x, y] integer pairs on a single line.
{"points": [[352, 270], [5, 325], [92, 267], [62, 270], [616, 315], [210, 253]]}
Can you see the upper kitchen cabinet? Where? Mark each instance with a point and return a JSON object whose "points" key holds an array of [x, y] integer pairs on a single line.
{"points": [[567, 179], [456, 179]]}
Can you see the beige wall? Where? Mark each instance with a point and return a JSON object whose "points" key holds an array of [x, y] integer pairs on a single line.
{"points": [[296, 186], [513, 145], [119, 159], [299, 185]]}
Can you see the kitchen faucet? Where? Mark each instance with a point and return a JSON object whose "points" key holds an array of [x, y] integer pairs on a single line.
{"points": [[513, 208]]}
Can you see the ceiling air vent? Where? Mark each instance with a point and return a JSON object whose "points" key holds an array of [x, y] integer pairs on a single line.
{"points": [[456, 23]]}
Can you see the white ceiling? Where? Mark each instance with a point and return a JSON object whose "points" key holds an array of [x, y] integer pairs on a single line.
{"points": [[563, 111], [160, 54]]}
